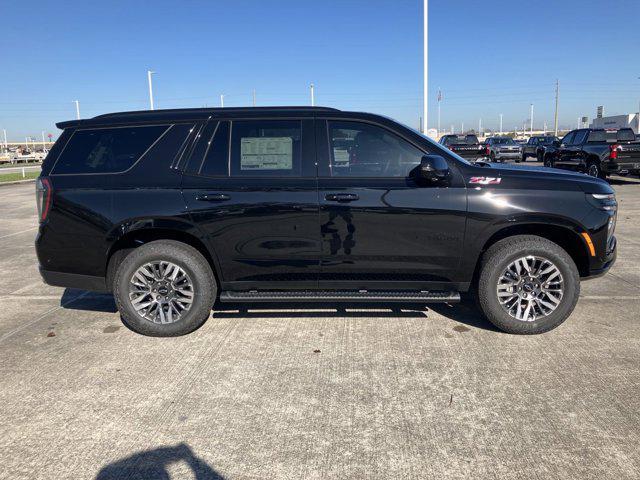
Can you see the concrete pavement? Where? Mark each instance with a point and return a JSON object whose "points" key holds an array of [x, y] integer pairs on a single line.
{"points": [[317, 393]]}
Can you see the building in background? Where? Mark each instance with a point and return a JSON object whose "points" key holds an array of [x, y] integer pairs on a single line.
{"points": [[629, 120]]}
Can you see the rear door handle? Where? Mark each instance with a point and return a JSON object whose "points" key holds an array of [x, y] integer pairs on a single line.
{"points": [[213, 197], [341, 197]]}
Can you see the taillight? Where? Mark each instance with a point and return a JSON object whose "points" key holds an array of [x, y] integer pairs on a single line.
{"points": [[43, 197], [613, 151]]}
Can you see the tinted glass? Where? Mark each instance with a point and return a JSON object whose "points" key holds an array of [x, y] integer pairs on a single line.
{"points": [[266, 148], [547, 140], [216, 162], [625, 135], [463, 140], [504, 141], [568, 138], [106, 150], [203, 141], [579, 138], [363, 150]]}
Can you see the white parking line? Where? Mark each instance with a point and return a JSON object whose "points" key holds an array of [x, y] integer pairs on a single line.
{"points": [[36, 320], [18, 233]]}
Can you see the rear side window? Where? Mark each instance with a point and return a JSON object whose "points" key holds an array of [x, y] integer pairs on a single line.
{"points": [[271, 148], [106, 150]]}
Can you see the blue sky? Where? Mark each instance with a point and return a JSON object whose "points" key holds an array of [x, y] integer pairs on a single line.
{"points": [[488, 57]]}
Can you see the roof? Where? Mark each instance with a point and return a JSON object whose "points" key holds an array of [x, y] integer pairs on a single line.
{"points": [[149, 116]]}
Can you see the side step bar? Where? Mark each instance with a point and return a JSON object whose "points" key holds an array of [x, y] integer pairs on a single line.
{"points": [[341, 296]]}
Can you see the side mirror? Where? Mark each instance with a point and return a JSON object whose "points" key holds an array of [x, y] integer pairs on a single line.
{"points": [[434, 169]]}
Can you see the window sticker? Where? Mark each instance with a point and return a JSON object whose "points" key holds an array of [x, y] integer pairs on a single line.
{"points": [[266, 153], [340, 157]]}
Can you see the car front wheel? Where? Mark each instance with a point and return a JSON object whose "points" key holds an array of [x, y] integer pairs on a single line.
{"points": [[164, 288], [527, 285]]}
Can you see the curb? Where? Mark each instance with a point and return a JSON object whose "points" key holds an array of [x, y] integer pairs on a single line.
{"points": [[17, 182]]}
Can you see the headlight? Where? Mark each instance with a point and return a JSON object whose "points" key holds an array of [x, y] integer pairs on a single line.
{"points": [[604, 201]]}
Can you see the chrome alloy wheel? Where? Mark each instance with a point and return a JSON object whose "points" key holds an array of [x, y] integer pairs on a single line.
{"points": [[530, 288], [593, 170], [161, 292]]}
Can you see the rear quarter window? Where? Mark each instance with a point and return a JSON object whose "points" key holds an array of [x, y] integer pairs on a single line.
{"points": [[106, 150]]}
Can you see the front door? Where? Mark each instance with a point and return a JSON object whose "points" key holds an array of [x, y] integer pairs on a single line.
{"points": [[380, 230], [250, 186]]}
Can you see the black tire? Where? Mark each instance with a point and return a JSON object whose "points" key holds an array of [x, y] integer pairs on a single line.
{"points": [[197, 267], [524, 157], [540, 156], [499, 257], [594, 170], [547, 161], [492, 157]]}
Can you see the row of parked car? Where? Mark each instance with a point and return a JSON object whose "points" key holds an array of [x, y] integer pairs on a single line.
{"points": [[596, 152]]}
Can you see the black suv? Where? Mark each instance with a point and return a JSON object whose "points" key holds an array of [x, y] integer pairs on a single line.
{"points": [[174, 210]]}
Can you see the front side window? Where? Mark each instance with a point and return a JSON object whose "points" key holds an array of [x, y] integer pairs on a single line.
{"points": [[266, 148], [106, 150], [568, 138], [364, 150], [579, 138]]}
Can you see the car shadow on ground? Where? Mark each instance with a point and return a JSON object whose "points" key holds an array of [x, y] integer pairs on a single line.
{"points": [[74, 299], [464, 312], [153, 465]]}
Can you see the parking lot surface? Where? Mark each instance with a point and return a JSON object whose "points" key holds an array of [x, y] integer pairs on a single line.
{"points": [[286, 393]]}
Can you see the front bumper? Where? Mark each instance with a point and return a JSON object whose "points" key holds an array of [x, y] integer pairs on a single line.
{"points": [[508, 156], [600, 266]]}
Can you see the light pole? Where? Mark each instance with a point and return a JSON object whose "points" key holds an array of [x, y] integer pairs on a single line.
{"points": [[638, 132], [439, 99], [77, 109], [221, 100], [531, 130], [254, 97], [149, 73], [425, 66], [313, 98], [4, 132], [555, 118], [44, 146], [500, 124]]}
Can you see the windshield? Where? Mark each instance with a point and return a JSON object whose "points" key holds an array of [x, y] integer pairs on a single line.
{"points": [[547, 140], [504, 141]]}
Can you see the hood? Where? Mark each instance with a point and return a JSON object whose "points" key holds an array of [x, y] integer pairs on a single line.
{"points": [[541, 178]]}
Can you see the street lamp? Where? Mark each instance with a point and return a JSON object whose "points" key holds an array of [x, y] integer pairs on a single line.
{"points": [[149, 73]]}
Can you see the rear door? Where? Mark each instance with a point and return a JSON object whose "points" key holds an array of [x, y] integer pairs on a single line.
{"points": [[251, 186], [379, 229]]}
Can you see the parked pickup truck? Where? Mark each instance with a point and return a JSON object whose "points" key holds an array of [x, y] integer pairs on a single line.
{"points": [[467, 146], [596, 152], [536, 146]]}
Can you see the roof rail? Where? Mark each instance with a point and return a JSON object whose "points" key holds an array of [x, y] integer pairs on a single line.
{"points": [[215, 110]]}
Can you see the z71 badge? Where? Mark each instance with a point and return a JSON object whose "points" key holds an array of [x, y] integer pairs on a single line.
{"points": [[485, 180]]}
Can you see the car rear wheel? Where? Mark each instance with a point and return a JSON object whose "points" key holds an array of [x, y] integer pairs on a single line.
{"points": [[164, 288], [593, 170], [540, 156], [524, 157], [527, 285], [492, 156]]}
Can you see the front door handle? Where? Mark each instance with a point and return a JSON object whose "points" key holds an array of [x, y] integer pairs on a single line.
{"points": [[213, 197], [341, 197]]}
